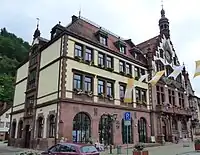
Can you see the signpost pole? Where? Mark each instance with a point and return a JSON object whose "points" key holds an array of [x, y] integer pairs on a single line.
{"points": [[127, 139], [127, 123]]}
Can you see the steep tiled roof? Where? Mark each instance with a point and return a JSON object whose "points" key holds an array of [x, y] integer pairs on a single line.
{"points": [[88, 30]]}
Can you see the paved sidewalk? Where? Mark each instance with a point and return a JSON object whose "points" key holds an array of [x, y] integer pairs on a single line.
{"points": [[169, 149]]}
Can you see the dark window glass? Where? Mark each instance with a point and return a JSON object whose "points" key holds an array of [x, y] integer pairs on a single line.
{"points": [[109, 89], [88, 149], [138, 97], [122, 91], [121, 66], [137, 72], [103, 40], [100, 59], [78, 50], [122, 49], [52, 126], [143, 95], [77, 81], [128, 69], [161, 53], [88, 54], [67, 148], [109, 62], [100, 87], [88, 84]]}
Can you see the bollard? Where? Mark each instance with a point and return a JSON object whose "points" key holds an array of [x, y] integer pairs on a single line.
{"points": [[110, 149], [119, 149]]}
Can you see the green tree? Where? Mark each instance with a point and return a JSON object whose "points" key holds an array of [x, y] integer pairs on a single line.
{"points": [[6, 87], [13, 51]]}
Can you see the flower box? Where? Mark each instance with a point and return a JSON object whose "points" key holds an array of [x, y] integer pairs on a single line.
{"points": [[197, 145], [136, 152]]}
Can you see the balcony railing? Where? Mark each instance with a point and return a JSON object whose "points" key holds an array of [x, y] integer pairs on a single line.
{"points": [[173, 109]]}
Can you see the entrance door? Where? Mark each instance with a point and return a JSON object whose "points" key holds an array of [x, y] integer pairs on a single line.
{"points": [[27, 136], [165, 132]]}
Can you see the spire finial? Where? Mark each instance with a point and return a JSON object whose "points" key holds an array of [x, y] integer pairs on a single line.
{"points": [[162, 4], [79, 13], [38, 20]]}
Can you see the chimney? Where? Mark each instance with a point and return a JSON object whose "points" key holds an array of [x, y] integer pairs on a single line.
{"points": [[74, 18]]}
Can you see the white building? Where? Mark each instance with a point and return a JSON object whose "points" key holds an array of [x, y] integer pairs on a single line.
{"points": [[5, 124]]}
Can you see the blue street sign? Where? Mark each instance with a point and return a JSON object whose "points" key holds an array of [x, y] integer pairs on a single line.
{"points": [[127, 116]]}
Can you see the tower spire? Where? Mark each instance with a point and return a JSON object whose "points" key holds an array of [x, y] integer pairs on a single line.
{"points": [[79, 13], [37, 31], [164, 23]]}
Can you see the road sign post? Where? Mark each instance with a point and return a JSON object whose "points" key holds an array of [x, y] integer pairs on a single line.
{"points": [[127, 123]]}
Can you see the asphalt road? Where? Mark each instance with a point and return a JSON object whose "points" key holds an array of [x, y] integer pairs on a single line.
{"points": [[170, 149]]}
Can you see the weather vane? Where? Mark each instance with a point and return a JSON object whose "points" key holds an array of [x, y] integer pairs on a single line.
{"points": [[162, 4], [38, 19]]}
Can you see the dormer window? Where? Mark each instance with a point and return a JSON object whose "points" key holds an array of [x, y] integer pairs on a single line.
{"points": [[103, 40], [122, 49]]}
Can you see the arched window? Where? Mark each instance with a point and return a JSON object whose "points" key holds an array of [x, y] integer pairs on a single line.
{"points": [[40, 123], [184, 125], [13, 128], [52, 125], [174, 124], [127, 132], [106, 130], [142, 130], [20, 129], [81, 128]]}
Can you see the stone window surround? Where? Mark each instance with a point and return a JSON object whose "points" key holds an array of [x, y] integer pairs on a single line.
{"points": [[40, 116], [48, 125], [13, 125], [20, 128]]}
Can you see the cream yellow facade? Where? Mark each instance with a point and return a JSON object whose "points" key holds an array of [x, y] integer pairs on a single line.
{"points": [[50, 53], [20, 87], [71, 64], [48, 77]]}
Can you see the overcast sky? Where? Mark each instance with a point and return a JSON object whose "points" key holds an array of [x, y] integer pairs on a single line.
{"points": [[135, 19]]}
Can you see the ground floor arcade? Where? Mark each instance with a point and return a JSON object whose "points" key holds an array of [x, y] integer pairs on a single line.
{"points": [[81, 123]]}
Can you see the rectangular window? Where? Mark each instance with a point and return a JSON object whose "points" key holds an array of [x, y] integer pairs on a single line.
{"points": [[161, 53], [100, 59], [7, 124], [121, 66], [88, 84], [1, 124], [109, 89], [160, 94], [181, 100], [78, 50], [103, 40], [88, 54], [128, 68], [142, 72], [138, 95], [77, 81], [32, 75], [122, 49], [101, 88], [122, 90], [109, 62], [143, 95], [137, 72], [7, 115]]}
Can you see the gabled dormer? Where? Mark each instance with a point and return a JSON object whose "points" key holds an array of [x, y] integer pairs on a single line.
{"points": [[102, 37], [56, 30], [121, 45]]}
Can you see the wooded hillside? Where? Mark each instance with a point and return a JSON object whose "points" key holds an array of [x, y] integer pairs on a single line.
{"points": [[13, 51]]}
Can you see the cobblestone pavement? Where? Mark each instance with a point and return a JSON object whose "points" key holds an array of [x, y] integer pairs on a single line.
{"points": [[169, 149]]}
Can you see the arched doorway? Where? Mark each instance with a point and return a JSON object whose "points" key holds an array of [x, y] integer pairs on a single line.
{"points": [[81, 128], [142, 130], [20, 129], [127, 133], [106, 130], [13, 128]]}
